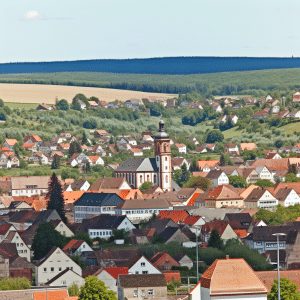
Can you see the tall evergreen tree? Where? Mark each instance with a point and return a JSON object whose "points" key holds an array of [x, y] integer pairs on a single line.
{"points": [[55, 195], [74, 148], [84, 139], [215, 240], [56, 162], [194, 166], [185, 176], [222, 160], [111, 140]]}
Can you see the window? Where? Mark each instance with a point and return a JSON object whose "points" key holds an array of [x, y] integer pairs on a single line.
{"points": [[25, 251], [83, 246], [145, 272], [45, 270], [150, 292], [59, 269], [143, 264], [17, 244], [143, 292], [135, 293], [141, 178], [136, 272], [52, 269], [61, 225], [167, 179], [63, 282], [21, 244], [166, 159]]}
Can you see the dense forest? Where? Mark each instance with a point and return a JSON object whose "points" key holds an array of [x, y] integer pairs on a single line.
{"points": [[256, 83]]}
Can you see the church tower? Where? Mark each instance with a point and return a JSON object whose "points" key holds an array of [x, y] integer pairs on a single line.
{"points": [[162, 152]]}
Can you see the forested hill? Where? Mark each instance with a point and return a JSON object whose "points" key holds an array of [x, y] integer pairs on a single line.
{"points": [[166, 65]]}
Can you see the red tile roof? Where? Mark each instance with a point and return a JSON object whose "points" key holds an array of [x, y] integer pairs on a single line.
{"points": [[175, 215], [191, 220], [115, 272], [4, 228], [173, 275], [73, 244], [53, 295], [241, 233]]}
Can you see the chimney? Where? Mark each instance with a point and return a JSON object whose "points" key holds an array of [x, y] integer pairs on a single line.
{"points": [[227, 256]]}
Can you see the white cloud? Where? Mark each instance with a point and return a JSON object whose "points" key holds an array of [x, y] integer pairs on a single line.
{"points": [[33, 15]]}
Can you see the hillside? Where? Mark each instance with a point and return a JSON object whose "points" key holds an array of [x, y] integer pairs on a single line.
{"points": [[161, 65], [226, 83]]}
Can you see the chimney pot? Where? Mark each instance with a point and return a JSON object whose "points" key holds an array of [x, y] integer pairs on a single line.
{"points": [[227, 256]]}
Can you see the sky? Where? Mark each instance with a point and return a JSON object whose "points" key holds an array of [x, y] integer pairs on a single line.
{"points": [[56, 30]]}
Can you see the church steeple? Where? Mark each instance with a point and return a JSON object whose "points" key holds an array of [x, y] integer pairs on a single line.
{"points": [[163, 157]]}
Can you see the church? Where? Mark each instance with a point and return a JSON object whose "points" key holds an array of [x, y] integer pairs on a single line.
{"points": [[157, 170]]}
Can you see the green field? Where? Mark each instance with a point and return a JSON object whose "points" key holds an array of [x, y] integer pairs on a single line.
{"points": [[25, 106], [291, 128]]}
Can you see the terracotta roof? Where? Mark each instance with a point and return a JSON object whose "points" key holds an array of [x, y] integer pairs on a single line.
{"points": [[272, 164], [11, 142], [217, 224], [175, 215], [231, 276], [131, 194], [247, 146], [191, 220], [28, 145], [179, 145], [267, 277], [211, 163], [144, 203], [223, 192], [93, 158], [4, 228], [172, 276], [248, 190], [73, 245], [71, 197], [241, 233], [53, 295]]}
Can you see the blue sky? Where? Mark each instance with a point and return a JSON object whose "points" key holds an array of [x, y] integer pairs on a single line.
{"points": [[45, 30]]}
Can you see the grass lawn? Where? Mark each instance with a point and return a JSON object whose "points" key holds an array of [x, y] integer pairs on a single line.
{"points": [[25, 106], [232, 133], [291, 128]]}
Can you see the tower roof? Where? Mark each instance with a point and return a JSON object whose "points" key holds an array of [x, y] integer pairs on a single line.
{"points": [[161, 133]]}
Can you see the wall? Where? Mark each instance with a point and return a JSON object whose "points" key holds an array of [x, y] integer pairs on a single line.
{"points": [[137, 268]]}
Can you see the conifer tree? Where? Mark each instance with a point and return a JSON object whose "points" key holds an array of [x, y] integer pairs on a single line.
{"points": [[84, 139], [215, 240], [56, 162], [74, 148], [55, 195], [222, 160]]}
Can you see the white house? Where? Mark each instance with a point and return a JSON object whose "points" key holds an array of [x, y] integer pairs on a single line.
{"points": [[78, 185], [147, 138], [260, 198], [15, 238], [62, 228], [294, 114], [127, 139], [52, 264], [287, 197], [217, 107], [76, 247], [136, 152], [78, 159], [66, 278], [264, 173], [181, 148], [143, 266], [218, 177]]}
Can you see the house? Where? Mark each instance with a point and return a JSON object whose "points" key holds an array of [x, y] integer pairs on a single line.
{"points": [[273, 156], [102, 104], [260, 115], [217, 107], [98, 149], [250, 174], [114, 104], [294, 114], [78, 185], [43, 107], [210, 147], [236, 105], [233, 118], [244, 219], [260, 198], [142, 286], [224, 228], [170, 234], [10, 143], [178, 216], [223, 196], [61, 227], [207, 165], [93, 104], [32, 139], [39, 157], [147, 138], [171, 103], [47, 147], [224, 277], [30, 185], [231, 149], [133, 103], [115, 183], [141, 236], [94, 204], [248, 146], [178, 162], [127, 139], [264, 173], [287, 197], [275, 109], [103, 225], [142, 209], [5, 229], [183, 260], [78, 159], [29, 147], [53, 264], [67, 278], [217, 177], [136, 152], [110, 276], [180, 147], [222, 119], [81, 103], [296, 97], [163, 261], [160, 224], [76, 247], [100, 133]]}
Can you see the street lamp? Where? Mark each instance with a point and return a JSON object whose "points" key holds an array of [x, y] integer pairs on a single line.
{"points": [[278, 234]]}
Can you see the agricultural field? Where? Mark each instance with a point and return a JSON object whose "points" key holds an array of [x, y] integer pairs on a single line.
{"points": [[35, 93]]}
